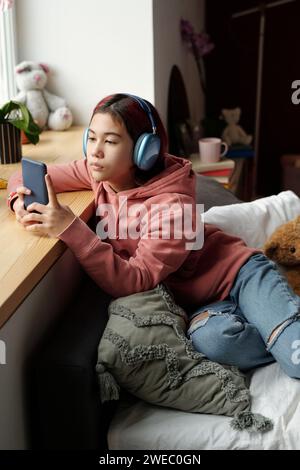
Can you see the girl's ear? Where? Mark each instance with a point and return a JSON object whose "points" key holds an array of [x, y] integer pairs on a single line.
{"points": [[44, 67]]}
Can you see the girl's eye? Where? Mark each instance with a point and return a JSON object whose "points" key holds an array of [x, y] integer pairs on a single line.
{"points": [[91, 139], [110, 142]]}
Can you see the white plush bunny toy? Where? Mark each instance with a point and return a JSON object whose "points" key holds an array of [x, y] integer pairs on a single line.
{"points": [[47, 110]]}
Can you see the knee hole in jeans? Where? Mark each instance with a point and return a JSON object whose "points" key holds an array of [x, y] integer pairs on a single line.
{"points": [[277, 330], [199, 317]]}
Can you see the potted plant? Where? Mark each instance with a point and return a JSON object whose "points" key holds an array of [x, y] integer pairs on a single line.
{"points": [[14, 118]]}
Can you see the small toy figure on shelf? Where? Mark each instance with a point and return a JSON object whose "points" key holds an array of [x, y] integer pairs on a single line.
{"points": [[233, 133]]}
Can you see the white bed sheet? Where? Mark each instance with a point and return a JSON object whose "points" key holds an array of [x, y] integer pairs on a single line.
{"points": [[139, 425]]}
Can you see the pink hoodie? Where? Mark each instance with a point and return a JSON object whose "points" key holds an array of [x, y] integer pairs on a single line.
{"points": [[122, 266]]}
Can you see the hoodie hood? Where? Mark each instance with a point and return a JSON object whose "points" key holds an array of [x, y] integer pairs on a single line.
{"points": [[177, 177]]}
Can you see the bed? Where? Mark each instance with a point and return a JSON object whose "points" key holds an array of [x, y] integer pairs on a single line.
{"points": [[138, 425]]}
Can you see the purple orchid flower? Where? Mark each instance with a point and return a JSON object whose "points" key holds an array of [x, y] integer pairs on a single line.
{"points": [[199, 44], [187, 30], [203, 44]]}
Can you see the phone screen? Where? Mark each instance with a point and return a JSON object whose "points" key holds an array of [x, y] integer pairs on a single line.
{"points": [[34, 179]]}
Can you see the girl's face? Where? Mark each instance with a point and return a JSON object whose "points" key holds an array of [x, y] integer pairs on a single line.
{"points": [[109, 152]]}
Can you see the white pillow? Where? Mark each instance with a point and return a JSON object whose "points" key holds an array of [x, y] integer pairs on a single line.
{"points": [[255, 221]]}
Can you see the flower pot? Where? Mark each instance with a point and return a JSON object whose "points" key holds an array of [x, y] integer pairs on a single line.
{"points": [[10, 144], [24, 138]]}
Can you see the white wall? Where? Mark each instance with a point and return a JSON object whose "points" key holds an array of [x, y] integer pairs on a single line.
{"points": [[94, 47], [169, 50], [98, 47]]}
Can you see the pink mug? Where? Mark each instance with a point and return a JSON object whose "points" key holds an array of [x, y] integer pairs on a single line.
{"points": [[210, 149]]}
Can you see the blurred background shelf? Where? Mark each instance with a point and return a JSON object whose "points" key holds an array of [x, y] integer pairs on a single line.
{"points": [[234, 173]]}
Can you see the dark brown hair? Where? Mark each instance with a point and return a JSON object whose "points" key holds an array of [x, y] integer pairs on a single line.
{"points": [[126, 109]]}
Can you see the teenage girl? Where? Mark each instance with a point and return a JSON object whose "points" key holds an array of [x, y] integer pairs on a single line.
{"points": [[242, 311]]}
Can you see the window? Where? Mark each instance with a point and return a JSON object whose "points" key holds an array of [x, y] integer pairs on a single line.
{"points": [[7, 51]]}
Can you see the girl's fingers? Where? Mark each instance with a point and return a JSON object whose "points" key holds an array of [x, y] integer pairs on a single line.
{"points": [[32, 217], [35, 206], [21, 190], [53, 201], [35, 228], [20, 214], [19, 208]]}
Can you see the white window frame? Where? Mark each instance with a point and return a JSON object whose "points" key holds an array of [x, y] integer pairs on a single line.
{"points": [[8, 87]]}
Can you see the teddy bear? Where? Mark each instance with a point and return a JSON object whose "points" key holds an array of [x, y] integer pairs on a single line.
{"points": [[48, 110], [233, 133], [283, 247]]}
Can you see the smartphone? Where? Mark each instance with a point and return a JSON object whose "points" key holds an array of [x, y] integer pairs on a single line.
{"points": [[34, 179]]}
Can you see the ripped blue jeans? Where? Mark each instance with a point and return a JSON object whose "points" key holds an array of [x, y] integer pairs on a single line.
{"points": [[237, 331]]}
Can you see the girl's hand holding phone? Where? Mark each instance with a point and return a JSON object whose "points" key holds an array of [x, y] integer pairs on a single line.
{"points": [[50, 219], [19, 209]]}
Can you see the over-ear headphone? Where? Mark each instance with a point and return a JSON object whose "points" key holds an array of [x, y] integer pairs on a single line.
{"points": [[147, 147]]}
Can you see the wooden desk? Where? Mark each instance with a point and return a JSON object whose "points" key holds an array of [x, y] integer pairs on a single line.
{"points": [[24, 257]]}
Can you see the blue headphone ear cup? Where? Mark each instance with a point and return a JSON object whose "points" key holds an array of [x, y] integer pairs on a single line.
{"points": [[146, 151], [84, 141]]}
